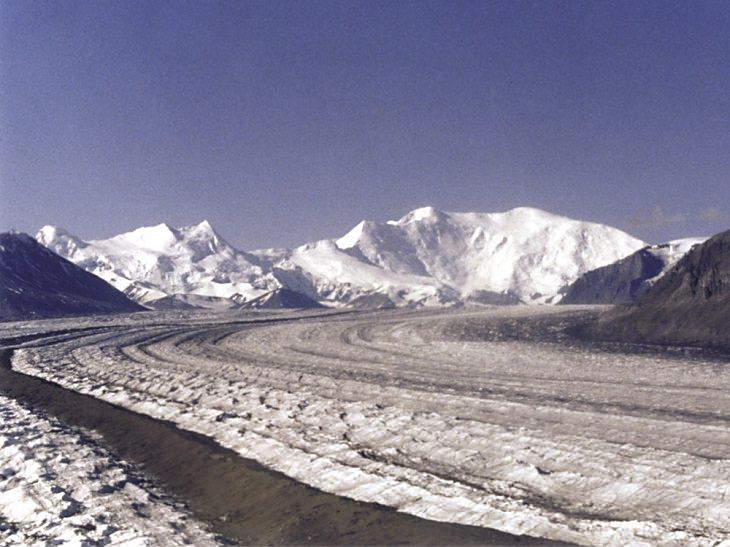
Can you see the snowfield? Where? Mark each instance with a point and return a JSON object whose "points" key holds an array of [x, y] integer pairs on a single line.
{"points": [[58, 484], [486, 417]]}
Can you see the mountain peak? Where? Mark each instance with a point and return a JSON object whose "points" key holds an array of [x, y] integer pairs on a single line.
{"points": [[205, 234], [159, 236], [162, 227], [351, 238], [531, 211], [204, 225], [202, 228], [59, 240], [49, 233], [421, 214]]}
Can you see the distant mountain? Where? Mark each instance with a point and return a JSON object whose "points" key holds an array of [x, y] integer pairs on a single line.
{"points": [[282, 299], [35, 282], [690, 304], [325, 272], [431, 257], [152, 263], [624, 281], [426, 258]]}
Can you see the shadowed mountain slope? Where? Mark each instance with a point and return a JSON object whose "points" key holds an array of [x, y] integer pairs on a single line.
{"points": [[624, 281], [690, 304], [35, 282]]}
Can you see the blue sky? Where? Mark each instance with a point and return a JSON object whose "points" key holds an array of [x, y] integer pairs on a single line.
{"points": [[284, 122]]}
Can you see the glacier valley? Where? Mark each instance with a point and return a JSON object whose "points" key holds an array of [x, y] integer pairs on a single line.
{"points": [[492, 417]]}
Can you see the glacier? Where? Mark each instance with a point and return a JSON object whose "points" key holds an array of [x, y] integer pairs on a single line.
{"points": [[482, 416]]}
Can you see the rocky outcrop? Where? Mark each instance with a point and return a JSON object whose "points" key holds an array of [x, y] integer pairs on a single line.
{"points": [[624, 281], [690, 304], [619, 283]]}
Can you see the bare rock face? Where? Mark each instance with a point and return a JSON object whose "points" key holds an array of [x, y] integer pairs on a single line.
{"points": [[690, 304], [35, 282]]}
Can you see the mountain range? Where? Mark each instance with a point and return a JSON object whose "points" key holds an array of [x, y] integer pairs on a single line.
{"points": [[677, 292], [426, 258], [159, 262]]}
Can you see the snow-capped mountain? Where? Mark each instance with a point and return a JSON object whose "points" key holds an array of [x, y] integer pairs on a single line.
{"points": [[527, 254], [155, 262], [624, 281], [428, 257], [431, 257], [324, 271]]}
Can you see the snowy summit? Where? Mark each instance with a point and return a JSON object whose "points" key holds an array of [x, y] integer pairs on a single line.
{"points": [[427, 257]]}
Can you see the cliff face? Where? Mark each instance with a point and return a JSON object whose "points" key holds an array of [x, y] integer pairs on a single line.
{"points": [[690, 304]]}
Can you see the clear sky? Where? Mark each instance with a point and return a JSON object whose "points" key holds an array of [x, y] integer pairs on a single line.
{"points": [[285, 122]]}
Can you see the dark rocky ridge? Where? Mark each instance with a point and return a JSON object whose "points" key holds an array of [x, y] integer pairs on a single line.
{"points": [[186, 301], [282, 299], [689, 305], [37, 283], [622, 282], [493, 298], [373, 301], [171, 302]]}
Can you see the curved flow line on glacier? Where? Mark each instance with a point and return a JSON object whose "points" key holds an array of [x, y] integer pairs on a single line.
{"points": [[525, 435], [235, 496]]}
